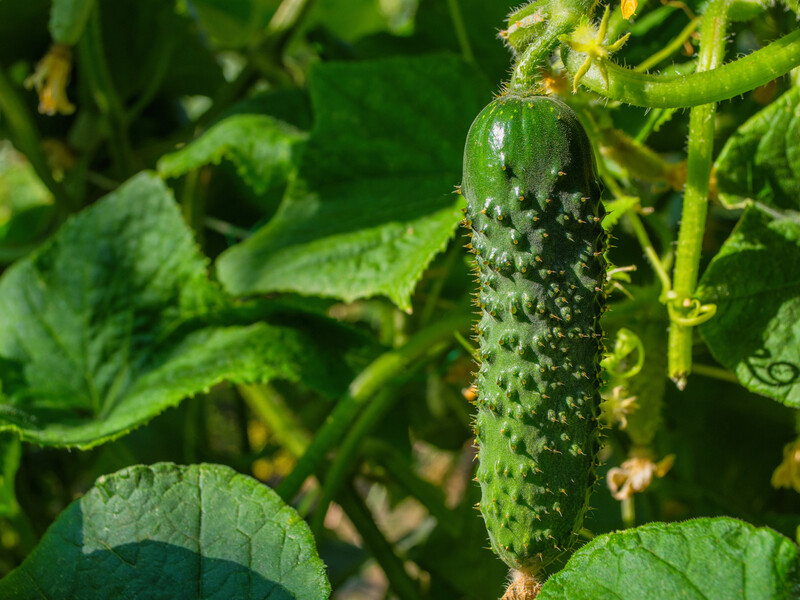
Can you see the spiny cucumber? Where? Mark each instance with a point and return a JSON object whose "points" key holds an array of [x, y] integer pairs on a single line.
{"points": [[534, 211]]}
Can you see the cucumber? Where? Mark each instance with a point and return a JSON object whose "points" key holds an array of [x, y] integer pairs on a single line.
{"points": [[534, 211]]}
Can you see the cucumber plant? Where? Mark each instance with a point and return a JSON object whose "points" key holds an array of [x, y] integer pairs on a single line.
{"points": [[227, 235]]}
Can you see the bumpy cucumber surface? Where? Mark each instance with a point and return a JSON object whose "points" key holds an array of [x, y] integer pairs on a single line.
{"points": [[534, 211]]}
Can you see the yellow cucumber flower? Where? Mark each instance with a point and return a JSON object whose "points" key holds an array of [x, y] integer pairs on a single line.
{"points": [[787, 475], [50, 80]]}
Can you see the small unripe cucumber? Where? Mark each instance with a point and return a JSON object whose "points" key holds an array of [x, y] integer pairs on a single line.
{"points": [[533, 208]]}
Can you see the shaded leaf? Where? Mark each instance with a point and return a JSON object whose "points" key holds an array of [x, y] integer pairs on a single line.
{"points": [[26, 205], [114, 320], [262, 148], [761, 161], [373, 202], [755, 283], [703, 559], [140, 35], [435, 29], [233, 23], [348, 19], [172, 532], [23, 29], [68, 19]]}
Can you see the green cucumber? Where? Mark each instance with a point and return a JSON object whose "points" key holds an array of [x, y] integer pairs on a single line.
{"points": [[534, 211]]}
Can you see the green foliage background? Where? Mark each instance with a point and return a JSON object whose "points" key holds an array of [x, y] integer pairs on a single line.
{"points": [[243, 244]]}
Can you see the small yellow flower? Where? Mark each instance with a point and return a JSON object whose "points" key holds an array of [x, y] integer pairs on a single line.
{"points": [[636, 475], [628, 8], [590, 41], [788, 472], [50, 80], [615, 408]]}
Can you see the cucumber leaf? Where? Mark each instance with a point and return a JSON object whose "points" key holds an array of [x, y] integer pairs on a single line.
{"points": [[262, 147], [701, 559], [373, 201], [761, 161], [171, 532], [26, 205], [755, 283], [114, 320], [68, 19]]}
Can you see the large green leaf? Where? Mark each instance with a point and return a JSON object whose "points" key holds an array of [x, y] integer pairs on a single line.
{"points": [[761, 161], [114, 320], [373, 202], [755, 283], [261, 146], [702, 559], [170, 532]]}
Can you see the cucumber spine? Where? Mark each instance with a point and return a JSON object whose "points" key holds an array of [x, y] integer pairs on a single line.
{"points": [[534, 212]]}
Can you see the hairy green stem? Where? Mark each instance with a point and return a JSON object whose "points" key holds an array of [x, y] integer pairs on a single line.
{"points": [[286, 17], [695, 199], [193, 202], [649, 251], [25, 138], [94, 67], [703, 87], [628, 509], [438, 284], [372, 379], [159, 72], [461, 31], [399, 580], [272, 410], [715, 373], [525, 76]]}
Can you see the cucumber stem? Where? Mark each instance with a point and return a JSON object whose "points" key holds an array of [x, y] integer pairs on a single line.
{"points": [[703, 87], [649, 251], [92, 59], [371, 380], [461, 30], [695, 200]]}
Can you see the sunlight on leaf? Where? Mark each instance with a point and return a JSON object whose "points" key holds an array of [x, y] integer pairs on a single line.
{"points": [[172, 532]]}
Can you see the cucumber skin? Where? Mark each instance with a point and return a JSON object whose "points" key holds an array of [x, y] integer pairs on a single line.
{"points": [[534, 210]]}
